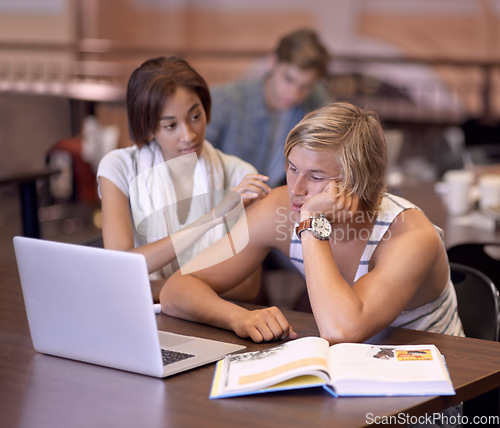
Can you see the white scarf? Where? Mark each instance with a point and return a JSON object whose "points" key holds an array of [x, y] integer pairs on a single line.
{"points": [[153, 198]]}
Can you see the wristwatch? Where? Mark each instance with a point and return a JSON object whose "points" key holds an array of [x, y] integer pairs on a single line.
{"points": [[319, 226]]}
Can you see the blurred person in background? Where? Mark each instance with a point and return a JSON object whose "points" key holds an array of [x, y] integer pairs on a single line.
{"points": [[251, 118]]}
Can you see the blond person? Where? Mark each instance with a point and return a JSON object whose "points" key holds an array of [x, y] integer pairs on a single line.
{"points": [[372, 260]]}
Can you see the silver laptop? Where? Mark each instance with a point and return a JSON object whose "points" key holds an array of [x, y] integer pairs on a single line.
{"points": [[95, 305]]}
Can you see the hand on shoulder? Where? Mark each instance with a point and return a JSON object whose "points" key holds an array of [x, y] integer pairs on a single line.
{"points": [[252, 188]]}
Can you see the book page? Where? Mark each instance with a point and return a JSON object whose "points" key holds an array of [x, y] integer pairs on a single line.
{"points": [[369, 367], [254, 370]]}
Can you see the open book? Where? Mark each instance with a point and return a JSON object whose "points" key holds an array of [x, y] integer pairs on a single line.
{"points": [[344, 369]]}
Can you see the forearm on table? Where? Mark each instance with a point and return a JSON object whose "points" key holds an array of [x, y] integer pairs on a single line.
{"points": [[187, 297]]}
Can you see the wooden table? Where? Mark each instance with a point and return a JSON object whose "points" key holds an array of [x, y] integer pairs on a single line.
{"points": [[42, 391]]}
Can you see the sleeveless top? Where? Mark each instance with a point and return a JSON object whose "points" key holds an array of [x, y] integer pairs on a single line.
{"points": [[437, 316]]}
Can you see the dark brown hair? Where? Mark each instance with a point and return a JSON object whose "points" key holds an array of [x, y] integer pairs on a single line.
{"points": [[150, 85], [303, 49]]}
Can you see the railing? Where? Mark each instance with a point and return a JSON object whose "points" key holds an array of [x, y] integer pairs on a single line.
{"points": [[431, 90], [442, 90]]}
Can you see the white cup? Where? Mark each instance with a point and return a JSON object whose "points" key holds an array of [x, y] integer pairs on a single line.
{"points": [[458, 191], [489, 191]]}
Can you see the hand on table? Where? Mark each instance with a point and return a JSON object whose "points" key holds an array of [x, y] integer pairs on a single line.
{"points": [[264, 325]]}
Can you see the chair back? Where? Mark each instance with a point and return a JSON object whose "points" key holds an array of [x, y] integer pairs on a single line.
{"points": [[475, 254], [94, 241], [478, 302]]}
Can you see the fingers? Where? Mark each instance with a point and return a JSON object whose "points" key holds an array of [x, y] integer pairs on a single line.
{"points": [[258, 181], [292, 334], [345, 207], [343, 204], [273, 325], [253, 186], [265, 325], [258, 177]]}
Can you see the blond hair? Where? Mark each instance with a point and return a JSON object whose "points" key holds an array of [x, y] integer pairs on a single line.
{"points": [[356, 135]]}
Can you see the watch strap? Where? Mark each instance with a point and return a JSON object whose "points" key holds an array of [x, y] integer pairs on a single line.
{"points": [[303, 226]]}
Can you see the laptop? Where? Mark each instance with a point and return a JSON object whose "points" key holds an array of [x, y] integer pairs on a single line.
{"points": [[95, 305]]}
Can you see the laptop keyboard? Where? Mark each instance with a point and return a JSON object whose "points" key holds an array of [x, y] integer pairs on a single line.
{"points": [[170, 357]]}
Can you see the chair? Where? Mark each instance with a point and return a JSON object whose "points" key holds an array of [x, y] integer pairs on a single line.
{"points": [[476, 255], [478, 302], [94, 241], [478, 308]]}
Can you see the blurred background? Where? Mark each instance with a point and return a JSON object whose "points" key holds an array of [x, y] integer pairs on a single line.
{"points": [[431, 69]]}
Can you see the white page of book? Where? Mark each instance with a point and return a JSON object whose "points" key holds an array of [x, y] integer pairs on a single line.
{"points": [[262, 368], [360, 369]]}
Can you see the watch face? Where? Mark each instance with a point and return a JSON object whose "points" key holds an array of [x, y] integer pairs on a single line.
{"points": [[321, 227]]}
